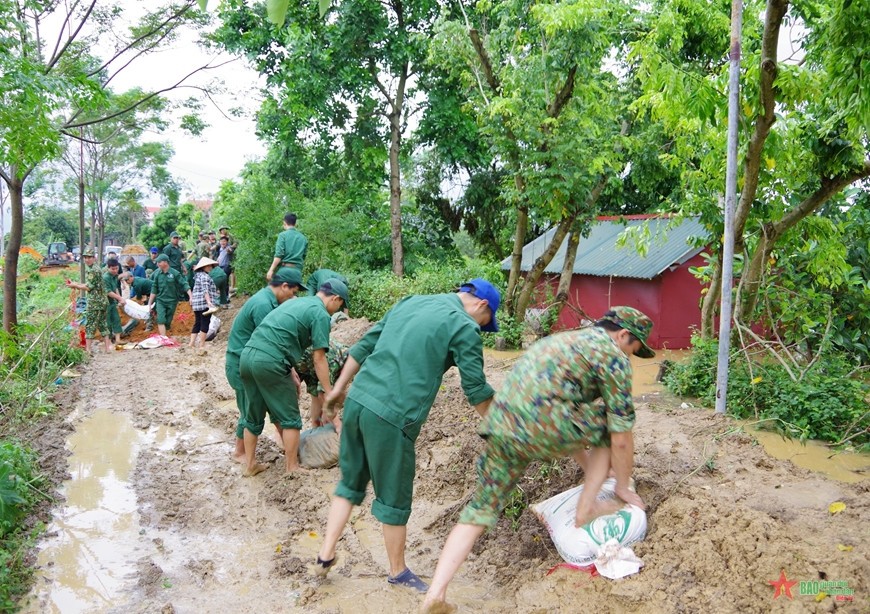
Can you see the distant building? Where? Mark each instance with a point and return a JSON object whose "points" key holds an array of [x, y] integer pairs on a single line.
{"points": [[659, 284], [151, 212], [203, 205]]}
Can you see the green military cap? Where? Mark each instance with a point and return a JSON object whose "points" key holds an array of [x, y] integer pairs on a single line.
{"points": [[89, 253], [173, 235], [289, 275], [635, 322], [162, 258], [335, 287]]}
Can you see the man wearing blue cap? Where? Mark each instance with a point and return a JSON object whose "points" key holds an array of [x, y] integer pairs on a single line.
{"points": [[401, 362]]}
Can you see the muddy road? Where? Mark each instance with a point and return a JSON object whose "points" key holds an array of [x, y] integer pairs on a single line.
{"points": [[157, 517]]}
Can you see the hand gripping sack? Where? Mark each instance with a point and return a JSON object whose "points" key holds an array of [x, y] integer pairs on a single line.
{"points": [[318, 447], [580, 545], [136, 311]]}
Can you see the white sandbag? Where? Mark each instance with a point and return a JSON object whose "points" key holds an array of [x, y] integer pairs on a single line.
{"points": [[214, 326], [135, 310], [580, 545], [318, 447]]}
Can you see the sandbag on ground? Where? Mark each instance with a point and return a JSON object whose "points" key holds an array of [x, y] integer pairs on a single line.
{"points": [[579, 545], [318, 447]]}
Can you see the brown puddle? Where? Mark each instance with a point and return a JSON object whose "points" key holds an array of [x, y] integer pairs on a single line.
{"points": [[85, 562], [849, 467]]}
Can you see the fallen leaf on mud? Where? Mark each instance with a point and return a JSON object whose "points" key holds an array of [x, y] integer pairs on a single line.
{"points": [[278, 548], [821, 596], [843, 548], [312, 534], [836, 507]]}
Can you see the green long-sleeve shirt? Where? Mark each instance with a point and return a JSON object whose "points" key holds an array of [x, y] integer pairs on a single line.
{"points": [[405, 355], [248, 319], [291, 328], [168, 287], [321, 275], [112, 284], [175, 255], [291, 247]]}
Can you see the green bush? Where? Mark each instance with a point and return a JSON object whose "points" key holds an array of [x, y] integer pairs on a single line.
{"points": [[826, 403], [372, 294], [21, 487]]}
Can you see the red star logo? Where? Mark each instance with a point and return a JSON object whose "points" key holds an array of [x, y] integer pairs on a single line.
{"points": [[781, 586]]}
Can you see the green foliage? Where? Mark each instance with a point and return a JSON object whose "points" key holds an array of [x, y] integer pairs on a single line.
{"points": [[828, 402], [48, 223], [185, 219], [510, 330], [19, 483], [21, 487], [374, 293]]}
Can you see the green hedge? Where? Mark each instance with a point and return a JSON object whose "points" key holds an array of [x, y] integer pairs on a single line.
{"points": [[373, 294], [827, 403]]}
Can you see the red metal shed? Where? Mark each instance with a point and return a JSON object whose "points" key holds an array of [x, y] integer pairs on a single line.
{"points": [[658, 282]]}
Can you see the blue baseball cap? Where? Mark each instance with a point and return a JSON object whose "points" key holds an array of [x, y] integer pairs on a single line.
{"points": [[483, 289], [154, 250]]}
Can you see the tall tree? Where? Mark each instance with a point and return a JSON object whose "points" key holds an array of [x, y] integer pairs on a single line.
{"points": [[51, 84], [804, 118], [334, 75], [554, 120]]}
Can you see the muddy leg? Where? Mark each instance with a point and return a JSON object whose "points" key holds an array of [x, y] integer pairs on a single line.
{"points": [[339, 514], [290, 438], [456, 549], [252, 468]]}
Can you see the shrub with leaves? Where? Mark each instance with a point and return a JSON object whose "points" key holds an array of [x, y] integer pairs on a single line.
{"points": [[826, 401]]}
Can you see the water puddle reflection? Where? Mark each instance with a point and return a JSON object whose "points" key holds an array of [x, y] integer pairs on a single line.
{"points": [[87, 554]]}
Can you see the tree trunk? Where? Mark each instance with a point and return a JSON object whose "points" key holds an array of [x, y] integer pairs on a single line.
{"points": [[396, 196], [567, 274], [517, 256], [81, 228], [534, 274], [10, 271], [772, 231], [711, 300]]}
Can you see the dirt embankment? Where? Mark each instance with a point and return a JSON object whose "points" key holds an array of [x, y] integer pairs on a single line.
{"points": [[725, 518]]}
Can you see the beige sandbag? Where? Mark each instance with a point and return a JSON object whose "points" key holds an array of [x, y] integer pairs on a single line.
{"points": [[318, 447]]}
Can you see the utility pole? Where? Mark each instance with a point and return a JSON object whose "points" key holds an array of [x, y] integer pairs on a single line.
{"points": [[730, 200]]}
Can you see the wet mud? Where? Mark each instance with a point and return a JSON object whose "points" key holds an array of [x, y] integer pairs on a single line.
{"points": [[177, 529]]}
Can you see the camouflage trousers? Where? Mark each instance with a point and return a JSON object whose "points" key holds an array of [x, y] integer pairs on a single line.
{"points": [[95, 320]]}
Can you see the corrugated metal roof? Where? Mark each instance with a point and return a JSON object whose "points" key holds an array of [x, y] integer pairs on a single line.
{"points": [[670, 243]]}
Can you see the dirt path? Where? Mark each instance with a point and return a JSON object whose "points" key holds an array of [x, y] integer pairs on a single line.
{"points": [[157, 517]]}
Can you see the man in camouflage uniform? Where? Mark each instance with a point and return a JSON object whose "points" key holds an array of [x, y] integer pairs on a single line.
{"points": [[569, 392], [97, 304], [336, 356]]}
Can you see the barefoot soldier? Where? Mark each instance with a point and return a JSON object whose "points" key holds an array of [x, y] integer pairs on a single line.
{"points": [[284, 285], [401, 362], [265, 366], [548, 408]]}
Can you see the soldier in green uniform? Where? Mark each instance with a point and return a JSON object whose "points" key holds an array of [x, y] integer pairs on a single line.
{"points": [[568, 392], [265, 365], [284, 285], [167, 286], [233, 245], [150, 264], [95, 312], [321, 275], [189, 264], [203, 250], [401, 362], [290, 248], [219, 277], [175, 253], [140, 287], [113, 293]]}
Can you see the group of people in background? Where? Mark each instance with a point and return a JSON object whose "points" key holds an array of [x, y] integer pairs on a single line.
{"points": [[203, 276]]}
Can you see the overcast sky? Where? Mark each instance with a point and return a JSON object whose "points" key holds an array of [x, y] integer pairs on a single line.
{"points": [[201, 163]]}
